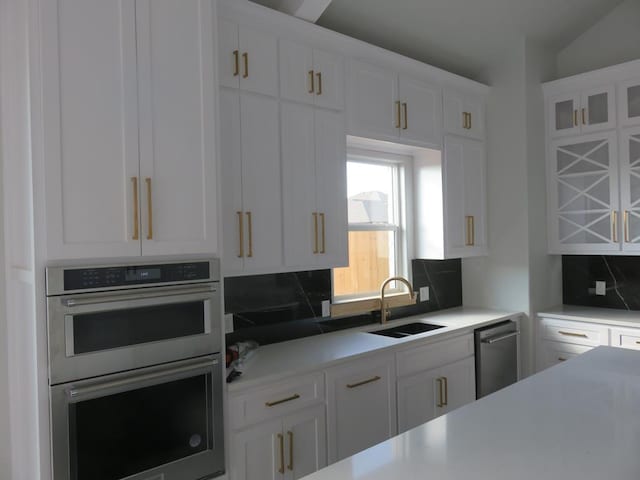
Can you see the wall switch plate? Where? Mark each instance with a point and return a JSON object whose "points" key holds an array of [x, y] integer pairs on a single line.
{"points": [[424, 294], [228, 323], [601, 288], [326, 308]]}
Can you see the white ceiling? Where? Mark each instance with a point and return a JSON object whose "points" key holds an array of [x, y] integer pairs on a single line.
{"points": [[461, 36]]}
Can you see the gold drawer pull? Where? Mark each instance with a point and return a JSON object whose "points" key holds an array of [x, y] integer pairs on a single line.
{"points": [[440, 403], [398, 114], [315, 232], [250, 233], [312, 88], [584, 119], [575, 118], [614, 226], [136, 220], [245, 57], [236, 63], [284, 400], [324, 249], [364, 382], [405, 114], [571, 334], [149, 209], [240, 235], [281, 442], [290, 434], [319, 75], [446, 391]]}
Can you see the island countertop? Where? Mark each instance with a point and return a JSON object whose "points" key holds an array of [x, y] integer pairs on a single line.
{"points": [[577, 421]]}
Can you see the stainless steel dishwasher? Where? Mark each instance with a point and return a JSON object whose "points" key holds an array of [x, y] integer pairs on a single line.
{"points": [[497, 357]]}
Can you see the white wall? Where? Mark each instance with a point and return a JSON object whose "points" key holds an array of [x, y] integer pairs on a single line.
{"points": [[517, 274], [614, 39]]}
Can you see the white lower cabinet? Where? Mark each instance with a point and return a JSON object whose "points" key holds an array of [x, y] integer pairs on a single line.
{"points": [[287, 448], [434, 379], [361, 405]]}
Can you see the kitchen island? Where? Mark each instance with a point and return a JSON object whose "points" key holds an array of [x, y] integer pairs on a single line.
{"points": [[577, 421]]}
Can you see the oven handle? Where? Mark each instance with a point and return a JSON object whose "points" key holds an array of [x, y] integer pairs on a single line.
{"points": [[87, 299], [75, 393]]}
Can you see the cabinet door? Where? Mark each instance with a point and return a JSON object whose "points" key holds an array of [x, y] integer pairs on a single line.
{"points": [[630, 188], [463, 114], [329, 82], [305, 442], [258, 61], [418, 400], [563, 115], [261, 184], [297, 78], [629, 102], [231, 171], [598, 109], [331, 189], [373, 111], [583, 195], [90, 128], [555, 353], [625, 338], [362, 409], [300, 219], [421, 112], [459, 383], [177, 151], [258, 452], [465, 194]]}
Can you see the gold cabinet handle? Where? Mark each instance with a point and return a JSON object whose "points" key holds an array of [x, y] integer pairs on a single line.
{"points": [[323, 249], [281, 443], [245, 57], [571, 334], [405, 115], [464, 120], [312, 88], [290, 434], [470, 234], [398, 115], [250, 233], [626, 226], [469, 123], [136, 219], [364, 382], [440, 403], [584, 118], [240, 235], [614, 226], [446, 390], [319, 75], [637, 343], [315, 232], [236, 63], [295, 396], [575, 118], [149, 208]]}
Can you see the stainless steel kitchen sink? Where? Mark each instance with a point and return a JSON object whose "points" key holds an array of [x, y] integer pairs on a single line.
{"points": [[407, 330]]}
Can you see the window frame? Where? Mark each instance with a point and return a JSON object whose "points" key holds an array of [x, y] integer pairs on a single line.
{"points": [[403, 216]]}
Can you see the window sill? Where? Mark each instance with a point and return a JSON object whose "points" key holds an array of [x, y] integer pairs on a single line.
{"points": [[357, 307]]}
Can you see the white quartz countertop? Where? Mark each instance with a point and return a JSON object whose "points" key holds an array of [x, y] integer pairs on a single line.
{"points": [[610, 316], [279, 360], [579, 420]]}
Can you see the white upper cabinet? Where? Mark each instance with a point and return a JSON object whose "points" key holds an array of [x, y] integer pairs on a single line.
{"points": [[584, 194], [248, 58], [311, 76], [630, 188], [314, 186], [464, 114], [102, 63], [251, 191], [383, 105], [582, 112], [629, 102]]}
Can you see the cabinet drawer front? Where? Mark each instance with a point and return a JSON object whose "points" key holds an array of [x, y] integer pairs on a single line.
{"points": [[573, 332], [434, 355], [625, 338], [554, 353], [275, 400]]}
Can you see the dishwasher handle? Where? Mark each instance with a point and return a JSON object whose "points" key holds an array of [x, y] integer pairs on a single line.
{"points": [[499, 338]]}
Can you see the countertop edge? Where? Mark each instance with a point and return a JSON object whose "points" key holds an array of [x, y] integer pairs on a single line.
{"points": [[609, 316]]}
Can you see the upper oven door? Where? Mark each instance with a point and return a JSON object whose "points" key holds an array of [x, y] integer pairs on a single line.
{"points": [[99, 333]]}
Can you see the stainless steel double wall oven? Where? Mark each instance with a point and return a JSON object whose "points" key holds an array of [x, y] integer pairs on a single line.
{"points": [[135, 371]]}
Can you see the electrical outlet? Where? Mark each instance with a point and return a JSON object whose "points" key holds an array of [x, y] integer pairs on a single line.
{"points": [[228, 323], [326, 308], [601, 288], [424, 294]]}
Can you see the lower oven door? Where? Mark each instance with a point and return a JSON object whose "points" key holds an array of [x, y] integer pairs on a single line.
{"points": [[159, 423]]}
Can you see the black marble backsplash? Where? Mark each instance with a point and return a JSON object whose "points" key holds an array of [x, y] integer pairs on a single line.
{"points": [[282, 306], [621, 274]]}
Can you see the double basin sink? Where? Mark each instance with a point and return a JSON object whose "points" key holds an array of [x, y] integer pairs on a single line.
{"points": [[402, 331]]}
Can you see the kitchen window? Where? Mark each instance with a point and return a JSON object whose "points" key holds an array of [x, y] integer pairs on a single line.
{"points": [[378, 193]]}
